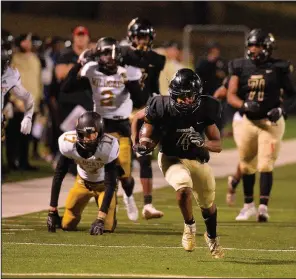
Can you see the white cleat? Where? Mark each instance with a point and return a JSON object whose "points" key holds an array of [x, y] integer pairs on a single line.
{"points": [[216, 249], [131, 207], [230, 196], [246, 212], [149, 212], [188, 239], [262, 213]]}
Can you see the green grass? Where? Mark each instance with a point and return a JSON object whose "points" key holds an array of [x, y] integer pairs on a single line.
{"points": [[45, 169], [154, 247]]}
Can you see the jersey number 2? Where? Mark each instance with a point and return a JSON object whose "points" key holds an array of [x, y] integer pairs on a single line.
{"points": [[107, 98]]}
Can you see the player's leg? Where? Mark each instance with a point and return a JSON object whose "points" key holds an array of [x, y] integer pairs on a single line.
{"points": [[269, 146], [110, 220], [77, 200], [149, 211], [248, 149], [127, 181], [234, 180], [178, 176], [204, 185]]}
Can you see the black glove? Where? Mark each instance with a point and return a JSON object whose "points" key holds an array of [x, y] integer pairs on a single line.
{"points": [[250, 106], [141, 149], [275, 114], [53, 221], [97, 227], [196, 139]]}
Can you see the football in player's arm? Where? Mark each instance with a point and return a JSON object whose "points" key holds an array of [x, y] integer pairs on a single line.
{"points": [[95, 154], [182, 120], [11, 82]]}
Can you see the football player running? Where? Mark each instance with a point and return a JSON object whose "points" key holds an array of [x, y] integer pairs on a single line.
{"points": [[11, 82], [95, 153], [112, 87], [139, 54], [259, 79], [183, 119]]}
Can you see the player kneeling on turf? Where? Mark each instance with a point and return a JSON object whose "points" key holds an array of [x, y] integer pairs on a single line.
{"points": [[95, 154]]}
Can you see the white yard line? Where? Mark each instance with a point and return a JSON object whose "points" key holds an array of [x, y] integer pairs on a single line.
{"points": [[18, 229], [128, 275], [142, 246]]}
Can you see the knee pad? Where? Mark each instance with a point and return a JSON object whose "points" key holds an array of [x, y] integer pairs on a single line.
{"points": [[145, 166], [247, 168], [70, 221], [266, 167]]}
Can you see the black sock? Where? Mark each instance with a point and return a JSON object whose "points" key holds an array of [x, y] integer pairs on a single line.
{"points": [[266, 180], [211, 223], [190, 222], [249, 182], [128, 185], [147, 199]]}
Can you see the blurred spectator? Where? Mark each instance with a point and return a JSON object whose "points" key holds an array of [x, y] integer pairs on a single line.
{"points": [[212, 69], [172, 51], [63, 103], [29, 67]]}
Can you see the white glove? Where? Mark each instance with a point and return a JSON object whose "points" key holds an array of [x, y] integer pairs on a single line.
{"points": [[26, 125]]}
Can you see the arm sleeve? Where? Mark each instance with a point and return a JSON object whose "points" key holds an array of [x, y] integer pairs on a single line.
{"points": [[110, 185], [21, 93], [59, 175], [71, 80], [153, 110], [137, 97], [233, 68]]}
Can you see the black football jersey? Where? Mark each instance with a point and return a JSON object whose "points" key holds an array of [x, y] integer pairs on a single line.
{"points": [[175, 128], [150, 63], [262, 83]]}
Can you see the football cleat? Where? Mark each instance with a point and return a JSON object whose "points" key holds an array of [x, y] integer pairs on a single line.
{"points": [[230, 196], [216, 249], [188, 239], [246, 212], [149, 212], [131, 207], [262, 213]]}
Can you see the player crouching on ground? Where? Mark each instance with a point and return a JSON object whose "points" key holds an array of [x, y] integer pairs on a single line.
{"points": [[181, 121], [95, 153]]}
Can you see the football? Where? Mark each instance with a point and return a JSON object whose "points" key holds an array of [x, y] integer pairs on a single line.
{"points": [[149, 136]]}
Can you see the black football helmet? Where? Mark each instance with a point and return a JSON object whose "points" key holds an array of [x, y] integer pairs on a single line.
{"points": [[88, 123], [258, 37], [140, 28], [108, 55], [185, 90]]}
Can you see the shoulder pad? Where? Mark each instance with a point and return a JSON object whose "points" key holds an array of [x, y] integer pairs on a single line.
{"points": [[67, 143], [108, 149], [88, 68], [155, 108], [133, 73], [235, 66], [210, 108], [284, 65]]}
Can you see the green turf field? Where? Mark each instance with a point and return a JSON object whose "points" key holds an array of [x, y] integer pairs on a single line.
{"points": [[153, 248]]}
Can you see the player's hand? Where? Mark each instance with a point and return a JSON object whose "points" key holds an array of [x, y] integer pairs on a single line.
{"points": [[53, 221], [250, 106], [141, 149], [26, 125], [97, 227], [85, 57], [275, 114], [196, 139]]}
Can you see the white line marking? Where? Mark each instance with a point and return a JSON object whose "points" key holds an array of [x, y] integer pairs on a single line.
{"points": [[18, 229], [106, 274], [142, 246], [9, 233]]}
